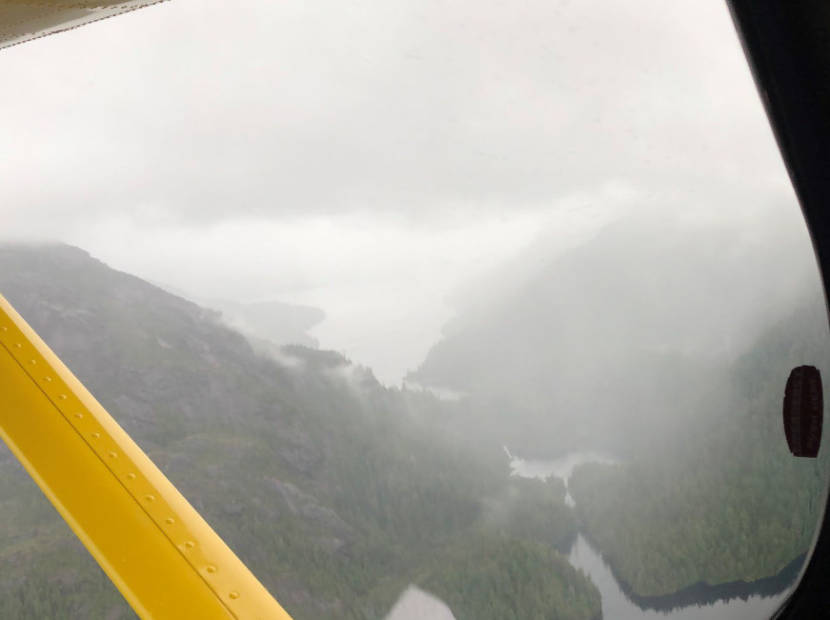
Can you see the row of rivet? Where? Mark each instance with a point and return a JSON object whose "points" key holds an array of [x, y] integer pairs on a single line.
{"points": [[57, 393]]}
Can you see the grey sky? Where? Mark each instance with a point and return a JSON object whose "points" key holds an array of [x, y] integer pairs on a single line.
{"points": [[372, 157]]}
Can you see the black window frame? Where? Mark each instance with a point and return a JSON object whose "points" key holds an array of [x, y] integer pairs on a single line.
{"points": [[787, 45]]}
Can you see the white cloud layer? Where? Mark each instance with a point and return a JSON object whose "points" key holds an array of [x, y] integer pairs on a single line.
{"points": [[373, 157]]}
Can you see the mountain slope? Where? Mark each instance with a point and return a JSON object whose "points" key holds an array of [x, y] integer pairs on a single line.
{"points": [[591, 348], [334, 490], [729, 503]]}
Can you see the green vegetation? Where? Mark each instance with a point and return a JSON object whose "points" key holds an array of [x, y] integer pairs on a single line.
{"points": [[335, 491], [510, 579], [725, 503]]}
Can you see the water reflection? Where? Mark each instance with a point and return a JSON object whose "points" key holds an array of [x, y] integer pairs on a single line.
{"points": [[735, 601], [617, 606]]}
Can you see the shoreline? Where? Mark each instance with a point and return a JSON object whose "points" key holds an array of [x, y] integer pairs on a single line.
{"points": [[702, 593]]}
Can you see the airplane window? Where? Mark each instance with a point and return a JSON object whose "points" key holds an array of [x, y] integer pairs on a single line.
{"points": [[432, 310]]}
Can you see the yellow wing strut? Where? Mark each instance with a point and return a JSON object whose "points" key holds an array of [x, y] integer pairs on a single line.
{"points": [[158, 551]]}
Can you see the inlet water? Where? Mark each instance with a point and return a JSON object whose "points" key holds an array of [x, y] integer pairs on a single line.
{"points": [[703, 604]]}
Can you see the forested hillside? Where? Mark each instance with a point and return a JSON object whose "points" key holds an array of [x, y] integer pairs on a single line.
{"points": [[621, 340], [334, 490], [728, 503]]}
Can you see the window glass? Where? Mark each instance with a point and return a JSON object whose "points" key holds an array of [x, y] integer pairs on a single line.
{"points": [[433, 310]]}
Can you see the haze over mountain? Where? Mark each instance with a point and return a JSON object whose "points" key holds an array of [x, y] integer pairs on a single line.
{"points": [[277, 322], [337, 492], [341, 493], [368, 162], [665, 340], [505, 170], [591, 348]]}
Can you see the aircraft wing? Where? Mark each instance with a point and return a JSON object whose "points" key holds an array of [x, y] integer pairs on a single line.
{"points": [[23, 20]]}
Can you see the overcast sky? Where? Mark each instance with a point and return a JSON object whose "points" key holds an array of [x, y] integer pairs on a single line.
{"points": [[371, 158]]}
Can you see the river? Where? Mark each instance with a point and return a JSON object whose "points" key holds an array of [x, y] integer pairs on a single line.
{"points": [[737, 602], [727, 602]]}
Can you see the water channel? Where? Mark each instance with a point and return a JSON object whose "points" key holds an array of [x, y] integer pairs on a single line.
{"points": [[729, 602], [740, 601]]}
